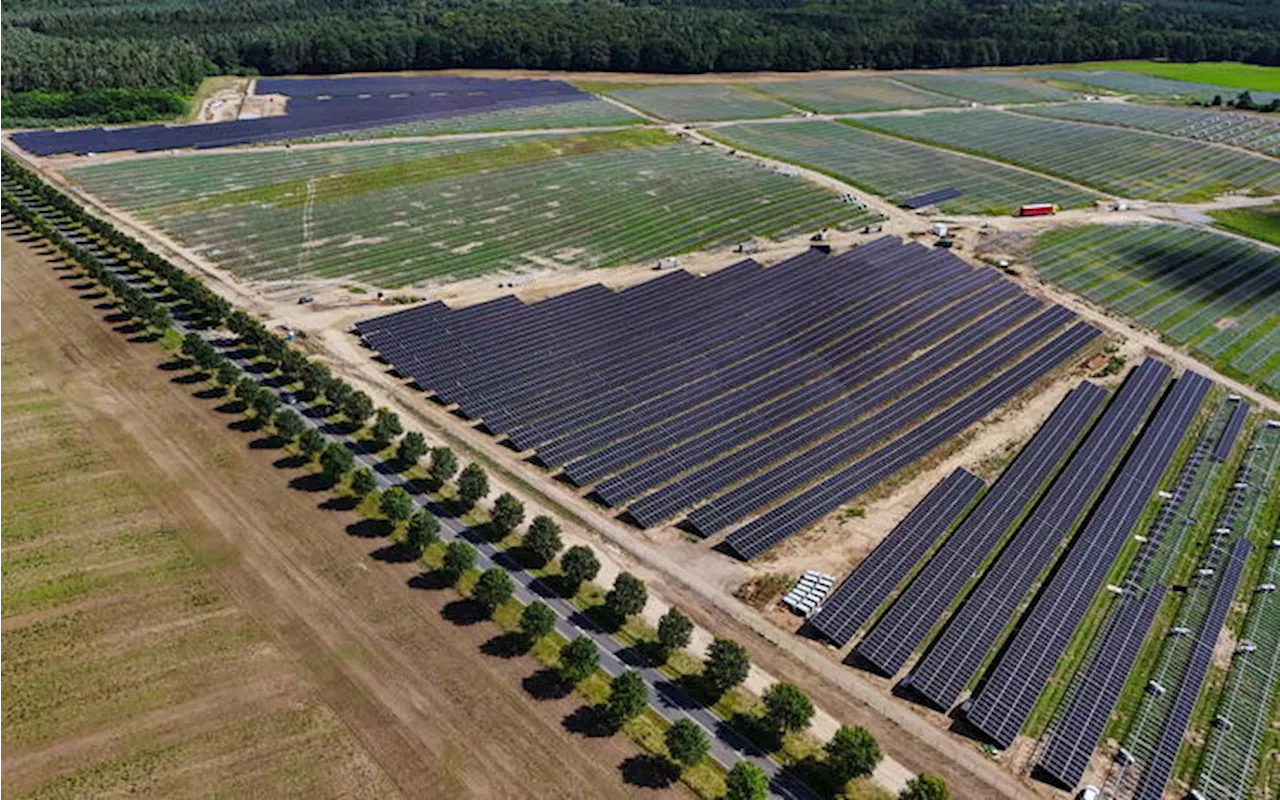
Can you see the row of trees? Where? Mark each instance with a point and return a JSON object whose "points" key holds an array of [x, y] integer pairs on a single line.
{"points": [[851, 753], [78, 44]]}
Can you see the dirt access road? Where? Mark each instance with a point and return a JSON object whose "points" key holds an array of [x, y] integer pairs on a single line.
{"points": [[398, 667]]}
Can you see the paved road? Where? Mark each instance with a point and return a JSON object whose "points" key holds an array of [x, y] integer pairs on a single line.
{"points": [[727, 745]]}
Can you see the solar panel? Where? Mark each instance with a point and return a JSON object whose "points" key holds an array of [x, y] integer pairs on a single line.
{"points": [[955, 656], [903, 627], [932, 198], [1159, 767], [1229, 434], [872, 581]]}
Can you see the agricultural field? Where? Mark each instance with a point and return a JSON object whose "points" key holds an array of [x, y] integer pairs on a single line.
{"points": [[697, 102], [851, 95], [1259, 222], [987, 88], [394, 215], [1251, 131], [1223, 73], [129, 667], [1123, 162], [1216, 295], [898, 169], [581, 114], [1124, 82]]}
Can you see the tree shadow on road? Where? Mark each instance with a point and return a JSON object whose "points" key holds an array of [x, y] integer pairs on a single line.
{"points": [[649, 771]]}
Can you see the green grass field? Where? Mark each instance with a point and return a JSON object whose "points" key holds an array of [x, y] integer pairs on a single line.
{"points": [[1260, 222], [1223, 73], [398, 214]]}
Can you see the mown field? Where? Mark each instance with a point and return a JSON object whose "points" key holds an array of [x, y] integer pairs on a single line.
{"points": [[580, 114], [1262, 223], [1120, 81], [129, 668], [1251, 131], [1123, 162], [1224, 73], [1218, 296], [392, 215], [898, 169]]}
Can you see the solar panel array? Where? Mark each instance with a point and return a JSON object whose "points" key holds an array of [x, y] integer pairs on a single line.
{"points": [[1006, 698], [875, 578], [954, 658], [1096, 690], [932, 198], [734, 391], [904, 626], [316, 106], [1234, 426], [1159, 767]]}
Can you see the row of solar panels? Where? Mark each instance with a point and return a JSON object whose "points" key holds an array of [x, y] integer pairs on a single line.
{"points": [[1095, 481], [730, 393]]}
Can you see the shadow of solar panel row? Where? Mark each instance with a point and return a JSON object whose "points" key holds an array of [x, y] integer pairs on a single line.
{"points": [[931, 590], [953, 659], [1079, 728], [1232, 431], [932, 198], [922, 401], [309, 115], [875, 578], [1159, 767], [789, 393], [866, 289], [794, 515], [861, 351], [1006, 698], [715, 336]]}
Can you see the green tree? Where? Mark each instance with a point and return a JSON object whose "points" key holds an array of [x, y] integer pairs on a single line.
{"points": [[363, 482], [628, 696], [444, 464], [628, 595], [675, 630], [537, 620], [508, 512], [264, 406], [746, 781], [852, 753], [493, 588], [288, 424], [247, 389], [358, 408], [228, 374], [579, 565], [543, 539], [578, 659], [687, 743], [925, 787], [473, 485], [411, 448], [727, 665], [396, 504], [787, 708], [336, 461], [458, 558], [422, 531], [312, 442], [386, 425], [338, 392]]}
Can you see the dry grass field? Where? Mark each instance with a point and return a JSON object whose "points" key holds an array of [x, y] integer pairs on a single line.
{"points": [[178, 623]]}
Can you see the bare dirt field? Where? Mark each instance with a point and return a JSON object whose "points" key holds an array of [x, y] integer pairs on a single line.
{"points": [[175, 615]]}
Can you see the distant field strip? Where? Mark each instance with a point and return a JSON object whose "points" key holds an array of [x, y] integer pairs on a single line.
{"points": [[581, 114], [852, 95], [1123, 162], [1216, 294], [420, 212], [701, 101], [898, 169], [1240, 129], [991, 89], [1149, 85], [129, 668]]}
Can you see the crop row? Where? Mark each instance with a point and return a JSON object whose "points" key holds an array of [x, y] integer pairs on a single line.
{"points": [[1124, 162], [852, 95], [592, 210], [991, 89], [1216, 294], [898, 169], [701, 101], [1250, 131]]}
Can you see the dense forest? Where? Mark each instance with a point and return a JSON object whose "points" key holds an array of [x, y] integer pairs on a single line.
{"points": [[72, 45]]}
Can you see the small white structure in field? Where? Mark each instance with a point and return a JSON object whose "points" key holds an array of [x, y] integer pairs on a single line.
{"points": [[670, 262], [809, 593], [938, 229]]}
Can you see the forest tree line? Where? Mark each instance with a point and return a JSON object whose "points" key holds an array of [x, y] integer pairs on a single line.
{"points": [[60, 45]]}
